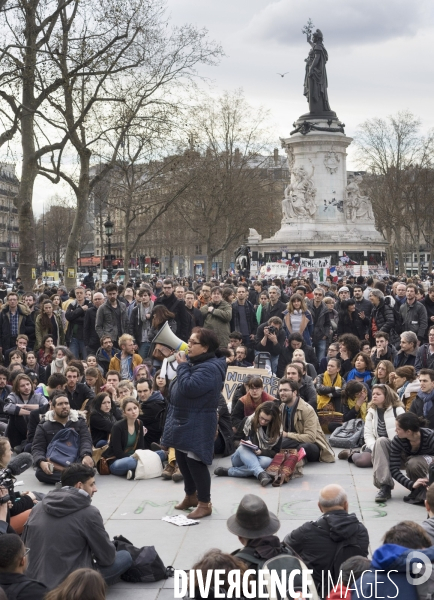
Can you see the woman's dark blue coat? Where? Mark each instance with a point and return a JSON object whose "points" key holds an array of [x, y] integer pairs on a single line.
{"points": [[191, 421]]}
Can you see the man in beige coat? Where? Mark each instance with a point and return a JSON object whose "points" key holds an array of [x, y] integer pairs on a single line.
{"points": [[301, 428], [217, 316]]}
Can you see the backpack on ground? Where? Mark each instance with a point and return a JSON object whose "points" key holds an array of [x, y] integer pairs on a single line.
{"points": [[348, 435], [147, 565], [64, 448]]}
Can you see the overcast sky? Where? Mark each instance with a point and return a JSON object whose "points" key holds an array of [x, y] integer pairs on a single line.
{"points": [[380, 56]]}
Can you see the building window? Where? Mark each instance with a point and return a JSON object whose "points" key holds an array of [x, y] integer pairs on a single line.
{"points": [[198, 249]]}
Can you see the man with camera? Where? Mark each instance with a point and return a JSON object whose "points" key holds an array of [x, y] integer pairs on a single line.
{"points": [[270, 338]]}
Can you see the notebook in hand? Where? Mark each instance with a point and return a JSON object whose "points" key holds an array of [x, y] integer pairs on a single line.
{"points": [[249, 444]]}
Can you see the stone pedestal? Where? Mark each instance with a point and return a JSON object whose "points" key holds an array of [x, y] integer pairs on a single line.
{"points": [[322, 211]]}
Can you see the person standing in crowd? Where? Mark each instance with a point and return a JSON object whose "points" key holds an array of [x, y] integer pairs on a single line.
{"points": [[321, 323], [275, 307], [14, 319], [271, 337], [30, 302], [244, 318], [105, 353], [194, 313], [112, 318], [350, 321], [204, 296], [90, 336], [47, 323], [191, 421], [297, 319], [363, 305], [414, 315], [263, 429], [75, 315], [89, 281], [175, 306], [140, 321], [425, 354], [217, 316]]}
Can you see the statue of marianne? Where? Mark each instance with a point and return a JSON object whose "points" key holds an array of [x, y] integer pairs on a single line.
{"points": [[315, 80]]}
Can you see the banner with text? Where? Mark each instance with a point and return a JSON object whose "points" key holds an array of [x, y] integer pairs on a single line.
{"points": [[236, 375], [274, 270], [316, 263]]}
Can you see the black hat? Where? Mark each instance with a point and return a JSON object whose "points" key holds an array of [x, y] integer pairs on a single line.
{"points": [[252, 519]]}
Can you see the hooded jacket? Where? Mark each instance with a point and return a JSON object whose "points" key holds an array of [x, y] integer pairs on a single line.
{"points": [[191, 421], [317, 542], [389, 569], [64, 531]]}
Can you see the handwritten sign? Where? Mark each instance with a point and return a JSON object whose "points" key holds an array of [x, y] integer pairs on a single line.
{"points": [[236, 375]]}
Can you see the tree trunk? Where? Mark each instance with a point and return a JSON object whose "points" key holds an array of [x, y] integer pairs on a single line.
{"points": [[401, 266], [82, 195]]}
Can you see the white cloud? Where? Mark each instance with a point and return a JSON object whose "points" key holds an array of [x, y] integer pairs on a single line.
{"points": [[352, 22]]}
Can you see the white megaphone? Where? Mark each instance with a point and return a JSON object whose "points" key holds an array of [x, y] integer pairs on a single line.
{"points": [[166, 337]]}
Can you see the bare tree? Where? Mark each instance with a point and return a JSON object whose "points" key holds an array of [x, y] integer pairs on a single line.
{"points": [[399, 161]]}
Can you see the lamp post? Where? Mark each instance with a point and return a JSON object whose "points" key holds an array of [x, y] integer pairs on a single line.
{"points": [[108, 226]]}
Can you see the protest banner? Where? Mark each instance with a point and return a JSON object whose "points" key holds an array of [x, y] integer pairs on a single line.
{"points": [[236, 375], [316, 263], [274, 270]]}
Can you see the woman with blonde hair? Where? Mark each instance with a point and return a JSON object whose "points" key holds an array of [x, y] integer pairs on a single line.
{"points": [[380, 429], [297, 318]]}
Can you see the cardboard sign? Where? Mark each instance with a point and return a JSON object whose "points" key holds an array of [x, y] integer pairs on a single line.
{"points": [[316, 263], [236, 375]]}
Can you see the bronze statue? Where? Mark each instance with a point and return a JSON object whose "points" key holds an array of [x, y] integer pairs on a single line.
{"points": [[315, 81]]}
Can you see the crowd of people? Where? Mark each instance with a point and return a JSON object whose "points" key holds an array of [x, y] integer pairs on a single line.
{"points": [[84, 385]]}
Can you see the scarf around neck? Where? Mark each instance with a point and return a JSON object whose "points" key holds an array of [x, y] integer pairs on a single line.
{"points": [[427, 401], [366, 375], [264, 441], [327, 382], [251, 405]]}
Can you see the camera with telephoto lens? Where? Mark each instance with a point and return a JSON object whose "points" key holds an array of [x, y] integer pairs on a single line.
{"points": [[7, 475], [272, 329]]}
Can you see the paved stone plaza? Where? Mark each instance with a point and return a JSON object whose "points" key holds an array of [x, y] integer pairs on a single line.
{"points": [[135, 509]]}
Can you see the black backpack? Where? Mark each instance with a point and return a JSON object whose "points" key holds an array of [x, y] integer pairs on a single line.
{"points": [[147, 565]]}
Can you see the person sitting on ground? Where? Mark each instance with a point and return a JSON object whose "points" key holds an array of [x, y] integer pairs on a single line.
{"points": [[240, 357], [126, 360], [390, 570], [382, 372], [349, 346], [407, 355], [329, 387], [224, 441], [405, 382], [423, 404], [378, 434], [65, 518], [352, 569], [126, 437], [79, 394], [152, 410], [94, 379], [428, 524], [212, 560], [35, 367], [160, 384], [92, 362], [103, 415], [332, 352], [411, 446], [59, 418], [85, 584], [318, 543], [246, 405], [125, 389], [59, 364], [296, 371], [383, 349], [55, 382], [301, 428], [355, 397], [105, 353], [263, 429], [299, 356], [295, 341], [362, 369], [18, 405], [425, 354], [13, 565], [46, 353]]}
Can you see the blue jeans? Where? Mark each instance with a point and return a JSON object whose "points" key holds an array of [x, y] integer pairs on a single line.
{"points": [[122, 563], [78, 347], [101, 443], [162, 455], [320, 349], [144, 349], [123, 465], [245, 463]]}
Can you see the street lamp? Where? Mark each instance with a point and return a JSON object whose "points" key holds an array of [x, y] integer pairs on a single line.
{"points": [[108, 226]]}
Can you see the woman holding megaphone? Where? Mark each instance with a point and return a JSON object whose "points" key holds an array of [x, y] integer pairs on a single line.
{"points": [[191, 421]]}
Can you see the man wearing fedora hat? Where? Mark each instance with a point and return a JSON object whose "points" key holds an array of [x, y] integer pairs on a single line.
{"points": [[255, 527]]}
